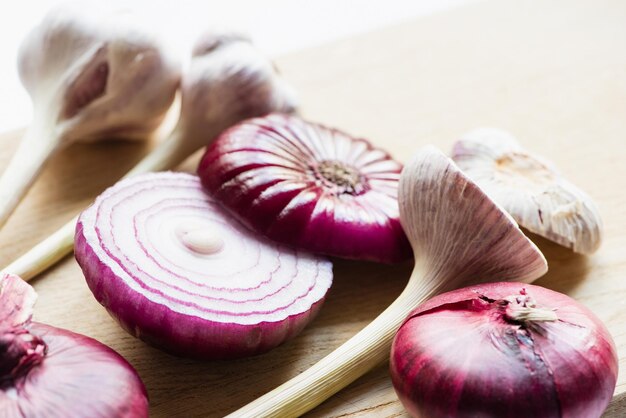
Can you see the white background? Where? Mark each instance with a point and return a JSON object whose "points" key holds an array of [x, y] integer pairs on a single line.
{"points": [[277, 26]]}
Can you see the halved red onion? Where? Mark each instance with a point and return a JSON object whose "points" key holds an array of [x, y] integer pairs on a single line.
{"points": [[51, 372], [309, 186], [176, 271], [504, 350]]}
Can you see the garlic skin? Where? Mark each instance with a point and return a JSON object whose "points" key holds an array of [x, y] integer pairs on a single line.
{"points": [[93, 75], [530, 189], [228, 80]]}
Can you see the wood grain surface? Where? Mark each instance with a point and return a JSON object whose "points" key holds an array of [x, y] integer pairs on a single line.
{"points": [[551, 72]]}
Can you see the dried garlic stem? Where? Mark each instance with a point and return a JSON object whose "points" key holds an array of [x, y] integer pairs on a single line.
{"points": [[51, 250], [459, 237], [23, 169], [48, 252], [45, 254], [361, 353]]}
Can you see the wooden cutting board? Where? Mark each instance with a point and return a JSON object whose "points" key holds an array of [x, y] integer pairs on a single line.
{"points": [[553, 73]]}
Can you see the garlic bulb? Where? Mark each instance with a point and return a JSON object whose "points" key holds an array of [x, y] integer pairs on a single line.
{"points": [[530, 189], [228, 80], [91, 76]]}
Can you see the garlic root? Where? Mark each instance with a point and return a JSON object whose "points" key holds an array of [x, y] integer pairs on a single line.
{"points": [[228, 80], [459, 237]]}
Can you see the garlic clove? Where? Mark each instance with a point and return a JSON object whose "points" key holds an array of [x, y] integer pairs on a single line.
{"points": [[530, 189], [91, 76]]}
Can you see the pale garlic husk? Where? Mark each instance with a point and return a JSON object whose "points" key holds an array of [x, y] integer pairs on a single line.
{"points": [[530, 188]]}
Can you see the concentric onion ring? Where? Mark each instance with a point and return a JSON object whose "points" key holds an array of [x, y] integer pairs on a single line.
{"points": [[309, 186], [169, 264]]}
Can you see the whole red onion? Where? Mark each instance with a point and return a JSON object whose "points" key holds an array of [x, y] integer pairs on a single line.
{"points": [[50, 372], [309, 186], [176, 271], [504, 350]]}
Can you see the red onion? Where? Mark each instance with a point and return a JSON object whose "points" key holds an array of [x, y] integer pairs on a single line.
{"points": [[168, 263], [504, 350], [50, 372], [309, 186]]}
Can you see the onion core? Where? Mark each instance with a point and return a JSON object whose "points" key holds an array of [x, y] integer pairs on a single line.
{"points": [[176, 271], [503, 350]]}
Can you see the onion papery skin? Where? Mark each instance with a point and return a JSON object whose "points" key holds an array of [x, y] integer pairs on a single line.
{"points": [[309, 186], [245, 299], [458, 355], [78, 377]]}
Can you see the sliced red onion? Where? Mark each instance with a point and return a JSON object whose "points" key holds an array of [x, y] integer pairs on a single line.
{"points": [[504, 350], [309, 186], [50, 372], [176, 271]]}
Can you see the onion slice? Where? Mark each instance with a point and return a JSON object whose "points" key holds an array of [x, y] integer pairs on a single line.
{"points": [[309, 186], [170, 265], [51, 372], [504, 350]]}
